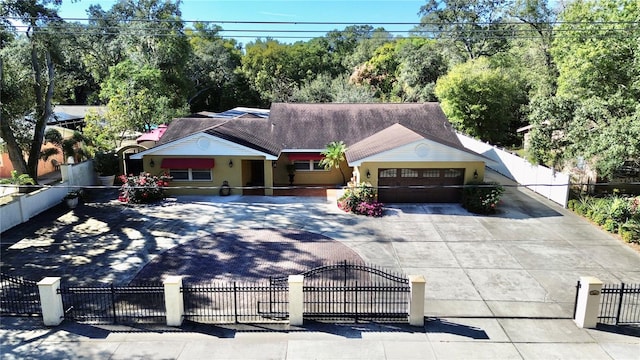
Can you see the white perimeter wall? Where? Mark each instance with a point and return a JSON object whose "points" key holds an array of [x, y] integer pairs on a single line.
{"points": [[546, 182], [26, 206]]}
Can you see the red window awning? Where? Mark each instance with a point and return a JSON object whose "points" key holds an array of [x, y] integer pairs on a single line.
{"points": [[187, 163], [305, 156]]}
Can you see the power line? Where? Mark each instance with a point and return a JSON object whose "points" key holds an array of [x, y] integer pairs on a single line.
{"points": [[556, 22]]}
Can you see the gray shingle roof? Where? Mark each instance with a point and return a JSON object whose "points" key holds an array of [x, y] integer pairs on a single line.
{"points": [[369, 128]]}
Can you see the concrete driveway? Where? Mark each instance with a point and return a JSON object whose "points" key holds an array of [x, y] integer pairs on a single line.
{"points": [[523, 262]]}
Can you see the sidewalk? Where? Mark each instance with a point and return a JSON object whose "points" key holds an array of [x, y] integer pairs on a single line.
{"points": [[459, 338]]}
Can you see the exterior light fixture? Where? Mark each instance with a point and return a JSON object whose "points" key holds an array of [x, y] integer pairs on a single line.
{"points": [[475, 174], [230, 163], [274, 164], [152, 163], [368, 174]]}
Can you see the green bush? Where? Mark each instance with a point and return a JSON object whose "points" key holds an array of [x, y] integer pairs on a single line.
{"points": [[615, 214], [630, 231], [482, 197]]}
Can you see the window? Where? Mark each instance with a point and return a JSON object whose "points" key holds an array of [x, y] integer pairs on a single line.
{"points": [[191, 174], [453, 173], [387, 173], [408, 173], [308, 165], [431, 173]]}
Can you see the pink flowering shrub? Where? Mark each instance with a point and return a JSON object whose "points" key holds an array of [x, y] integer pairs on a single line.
{"points": [[142, 189], [360, 200]]}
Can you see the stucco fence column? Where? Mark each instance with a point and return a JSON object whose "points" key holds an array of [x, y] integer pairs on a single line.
{"points": [[417, 285], [51, 301], [296, 300], [588, 302], [173, 300]]}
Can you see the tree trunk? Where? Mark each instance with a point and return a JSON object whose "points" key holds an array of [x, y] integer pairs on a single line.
{"points": [[43, 94]]}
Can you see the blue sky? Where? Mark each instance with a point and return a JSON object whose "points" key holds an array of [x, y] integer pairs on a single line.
{"points": [[351, 11]]}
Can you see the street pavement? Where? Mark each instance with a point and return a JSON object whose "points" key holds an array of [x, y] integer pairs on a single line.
{"points": [[498, 287]]}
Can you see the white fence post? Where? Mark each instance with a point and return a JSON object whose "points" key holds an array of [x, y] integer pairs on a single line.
{"points": [[51, 301], [173, 300], [416, 303], [588, 302], [296, 300]]}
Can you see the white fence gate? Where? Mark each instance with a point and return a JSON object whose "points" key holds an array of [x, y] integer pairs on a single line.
{"points": [[544, 181]]}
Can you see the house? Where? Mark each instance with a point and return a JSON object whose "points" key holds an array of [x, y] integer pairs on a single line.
{"points": [[408, 151]]}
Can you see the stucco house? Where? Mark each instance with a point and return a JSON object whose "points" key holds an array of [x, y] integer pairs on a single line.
{"points": [[407, 151]]}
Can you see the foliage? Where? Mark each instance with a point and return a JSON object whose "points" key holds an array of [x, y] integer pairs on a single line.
{"points": [[361, 200], [78, 146], [106, 163], [334, 156], [482, 197], [482, 100], [138, 98], [615, 213], [595, 113], [143, 188], [18, 179], [72, 195], [474, 28]]}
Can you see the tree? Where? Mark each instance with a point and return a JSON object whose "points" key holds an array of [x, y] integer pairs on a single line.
{"points": [[482, 100], [599, 78], [138, 98], [474, 28], [39, 19], [421, 63], [212, 70], [334, 157]]}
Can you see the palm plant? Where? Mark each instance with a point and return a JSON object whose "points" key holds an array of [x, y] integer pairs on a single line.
{"points": [[334, 156]]}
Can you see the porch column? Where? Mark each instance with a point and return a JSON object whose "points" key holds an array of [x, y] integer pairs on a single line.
{"points": [[416, 302], [268, 177], [296, 300], [588, 302]]}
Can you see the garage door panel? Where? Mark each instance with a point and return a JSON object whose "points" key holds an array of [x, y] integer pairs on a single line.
{"points": [[415, 185]]}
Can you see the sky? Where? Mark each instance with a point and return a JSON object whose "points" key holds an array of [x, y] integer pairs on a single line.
{"points": [[329, 11]]}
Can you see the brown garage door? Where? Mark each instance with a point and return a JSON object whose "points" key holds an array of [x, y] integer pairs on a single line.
{"points": [[420, 185]]}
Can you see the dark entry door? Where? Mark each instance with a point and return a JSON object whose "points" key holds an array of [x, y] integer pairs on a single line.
{"points": [[256, 167]]}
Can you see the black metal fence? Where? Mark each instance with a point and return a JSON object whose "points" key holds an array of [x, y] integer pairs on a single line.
{"points": [[114, 304], [354, 292], [19, 297], [620, 304], [236, 303]]}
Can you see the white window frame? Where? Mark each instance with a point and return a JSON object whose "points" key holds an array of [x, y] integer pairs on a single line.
{"points": [[190, 172]]}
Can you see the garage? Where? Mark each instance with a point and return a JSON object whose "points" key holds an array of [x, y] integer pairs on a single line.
{"points": [[406, 185]]}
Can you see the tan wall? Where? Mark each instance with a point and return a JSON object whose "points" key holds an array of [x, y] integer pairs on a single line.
{"points": [[373, 168], [330, 177]]}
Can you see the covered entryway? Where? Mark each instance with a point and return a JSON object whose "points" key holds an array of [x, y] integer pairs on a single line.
{"points": [[253, 171], [405, 185]]}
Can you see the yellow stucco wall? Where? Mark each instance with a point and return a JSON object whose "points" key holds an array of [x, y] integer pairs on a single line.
{"points": [[373, 168], [221, 172], [320, 177]]}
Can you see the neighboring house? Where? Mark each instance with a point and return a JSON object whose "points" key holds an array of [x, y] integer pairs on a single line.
{"points": [[49, 166], [407, 151]]}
